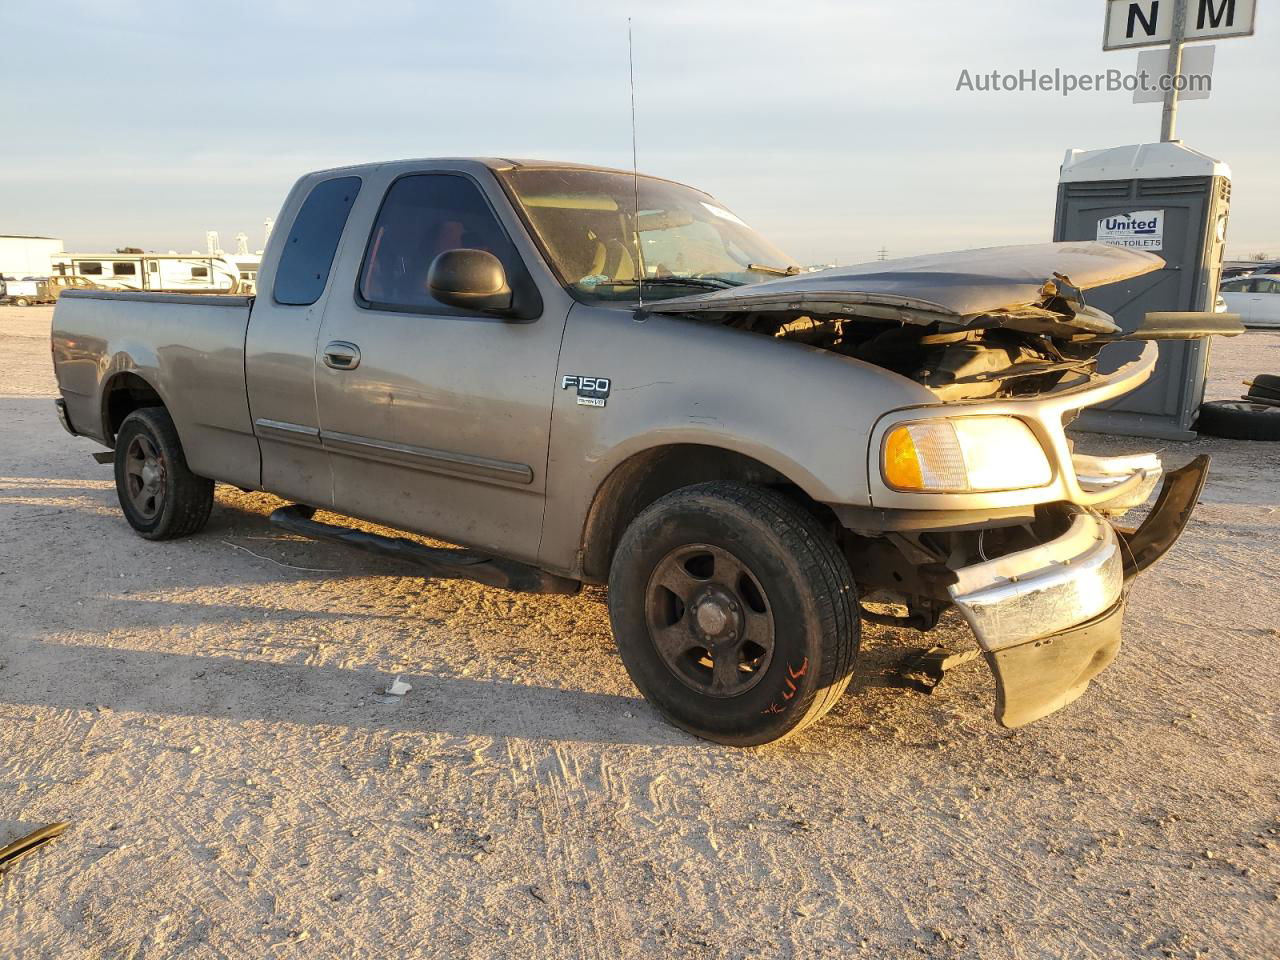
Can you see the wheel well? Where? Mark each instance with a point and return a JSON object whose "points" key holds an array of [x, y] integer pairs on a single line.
{"points": [[126, 393], [653, 473]]}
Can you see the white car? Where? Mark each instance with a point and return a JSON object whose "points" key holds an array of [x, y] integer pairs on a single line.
{"points": [[1256, 298]]}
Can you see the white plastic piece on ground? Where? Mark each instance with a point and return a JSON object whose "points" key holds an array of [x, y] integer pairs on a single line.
{"points": [[398, 688]]}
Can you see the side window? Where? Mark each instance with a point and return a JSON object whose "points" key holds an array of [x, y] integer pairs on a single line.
{"points": [[90, 269], [200, 272], [1267, 286], [1232, 286], [313, 240], [422, 216], [124, 269]]}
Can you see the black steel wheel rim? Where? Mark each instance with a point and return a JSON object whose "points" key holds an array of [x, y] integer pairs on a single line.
{"points": [[144, 475], [710, 620]]}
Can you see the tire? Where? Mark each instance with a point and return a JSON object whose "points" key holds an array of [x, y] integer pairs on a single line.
{"points": [[752, 574], [159, 495], [1239, 420], [1265, 386], [22, 302]]}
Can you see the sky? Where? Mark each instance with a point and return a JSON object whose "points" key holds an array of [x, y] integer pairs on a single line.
{"points": [[834, 128]]}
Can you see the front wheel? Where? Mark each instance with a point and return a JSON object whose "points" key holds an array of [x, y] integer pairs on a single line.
{"points": [[159, 495], [735, 612]]}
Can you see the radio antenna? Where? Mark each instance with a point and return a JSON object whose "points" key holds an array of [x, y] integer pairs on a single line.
{"points": [[635, 170]]}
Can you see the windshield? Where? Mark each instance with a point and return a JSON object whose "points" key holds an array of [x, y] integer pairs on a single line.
{"points": [[586, 222]]}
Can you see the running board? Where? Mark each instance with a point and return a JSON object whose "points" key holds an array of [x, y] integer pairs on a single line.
{"points": [[443, 563]]}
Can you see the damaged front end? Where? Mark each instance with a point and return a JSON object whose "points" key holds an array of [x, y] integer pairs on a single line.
{"points": [[978, 500], [1039, 573]]}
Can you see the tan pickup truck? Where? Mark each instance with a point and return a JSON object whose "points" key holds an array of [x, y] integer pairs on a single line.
{"points": [[583, 376]]}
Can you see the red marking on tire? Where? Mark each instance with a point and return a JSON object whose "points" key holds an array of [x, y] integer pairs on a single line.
{"points": [[793, 674]]}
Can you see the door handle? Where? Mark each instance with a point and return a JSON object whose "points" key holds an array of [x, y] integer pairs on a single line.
{"points": [[340, 355]]}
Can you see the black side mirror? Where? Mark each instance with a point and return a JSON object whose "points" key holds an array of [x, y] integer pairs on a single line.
{"points": [[470, 280]]}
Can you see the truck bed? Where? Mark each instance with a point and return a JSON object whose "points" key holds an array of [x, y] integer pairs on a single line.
{"points": [[188, 347]]}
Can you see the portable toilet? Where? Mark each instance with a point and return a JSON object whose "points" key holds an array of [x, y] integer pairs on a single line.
{"points": [[1172, 201]]}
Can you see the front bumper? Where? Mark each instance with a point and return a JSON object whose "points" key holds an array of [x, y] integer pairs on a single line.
{"points": [[1048, 618]]}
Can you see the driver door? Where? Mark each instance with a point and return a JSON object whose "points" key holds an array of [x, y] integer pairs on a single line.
{"points": [[434, 418]]}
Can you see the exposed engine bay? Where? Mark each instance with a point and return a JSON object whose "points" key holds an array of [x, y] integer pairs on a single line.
{"points": [[997, 355], [1001, 322]]}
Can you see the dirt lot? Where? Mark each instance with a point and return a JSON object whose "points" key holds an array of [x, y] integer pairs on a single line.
{"points": [[206, 715]]}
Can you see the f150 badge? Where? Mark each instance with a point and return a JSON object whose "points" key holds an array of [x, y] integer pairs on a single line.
{"points": [[592, 391]]}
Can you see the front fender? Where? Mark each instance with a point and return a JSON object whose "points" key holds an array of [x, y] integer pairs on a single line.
{"points": [[803, 412]]}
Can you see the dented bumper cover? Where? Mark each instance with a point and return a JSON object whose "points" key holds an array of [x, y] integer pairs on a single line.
{"points": [[1048, 618]]}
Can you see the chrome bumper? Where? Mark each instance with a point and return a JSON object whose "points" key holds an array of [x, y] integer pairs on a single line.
{"points": [[1048, 619], [1096, 475], [1044, 590]]}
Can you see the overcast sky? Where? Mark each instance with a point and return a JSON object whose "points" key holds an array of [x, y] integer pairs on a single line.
{"points": [[833, 127]]}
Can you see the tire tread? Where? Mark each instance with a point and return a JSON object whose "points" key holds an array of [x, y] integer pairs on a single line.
{"points": [[1217, 419]]}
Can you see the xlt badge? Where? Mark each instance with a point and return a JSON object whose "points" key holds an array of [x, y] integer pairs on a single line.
{"points": [[592, 391]]}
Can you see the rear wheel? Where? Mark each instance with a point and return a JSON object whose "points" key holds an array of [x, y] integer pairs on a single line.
{"points": [[159, 495], [22, 302], [734, 612]]}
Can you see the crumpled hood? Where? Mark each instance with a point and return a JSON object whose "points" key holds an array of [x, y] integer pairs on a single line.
{"points": [[942, 286]]}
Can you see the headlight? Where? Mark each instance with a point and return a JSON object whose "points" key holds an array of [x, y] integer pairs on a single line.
{"points": [[964, 455]]}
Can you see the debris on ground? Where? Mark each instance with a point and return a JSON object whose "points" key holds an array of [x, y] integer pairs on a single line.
{"points": [[15, 851]]}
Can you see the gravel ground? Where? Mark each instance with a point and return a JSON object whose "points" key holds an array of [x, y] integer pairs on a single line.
{"points": [[206, 715]]}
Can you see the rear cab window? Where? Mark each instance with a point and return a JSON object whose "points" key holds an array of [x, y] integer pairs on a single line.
{"points": [[303, 271]]}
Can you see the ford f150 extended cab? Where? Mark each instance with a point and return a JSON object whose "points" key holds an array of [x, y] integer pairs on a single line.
{"points": [[584, 376]]}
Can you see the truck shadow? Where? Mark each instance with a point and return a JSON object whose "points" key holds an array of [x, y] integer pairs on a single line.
{"points": [[79, 676], [212, 582], [57, 676]]}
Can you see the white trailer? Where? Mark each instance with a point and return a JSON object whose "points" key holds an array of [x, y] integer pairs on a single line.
{"points": [[174, 272]]}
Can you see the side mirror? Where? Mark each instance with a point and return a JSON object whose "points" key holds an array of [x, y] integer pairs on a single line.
{"points": [[470, 280]]}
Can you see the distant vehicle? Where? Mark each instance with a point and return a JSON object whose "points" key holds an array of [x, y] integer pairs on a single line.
{"points": [[33, 290], [1250, 269], [28, 292], [1256, 298], [58, 285], [159, 272]]}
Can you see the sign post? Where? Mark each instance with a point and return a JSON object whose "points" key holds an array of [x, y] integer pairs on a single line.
{"points": [[1177, 34], [1153, 23]]}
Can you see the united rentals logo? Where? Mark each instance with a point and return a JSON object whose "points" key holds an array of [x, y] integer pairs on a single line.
{"points": [[1140, 229], [1132, 225]]}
